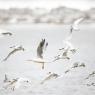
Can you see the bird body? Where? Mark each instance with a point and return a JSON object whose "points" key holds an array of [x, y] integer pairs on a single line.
{"points": [[38, 60], [4, 32], [16, 83], [51, 76], [68, 46], [20, 81], [40, 51], [13, 51]]}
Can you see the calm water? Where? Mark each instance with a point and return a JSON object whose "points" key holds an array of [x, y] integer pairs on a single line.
{"points": [[29, 37]]}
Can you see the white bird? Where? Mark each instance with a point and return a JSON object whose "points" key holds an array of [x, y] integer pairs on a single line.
{"points": [[68, 48], [76, 23], [41, 48], [40, 51], [16, 83], [67, 43], [74, 26], [51, 76], [20, 48]]}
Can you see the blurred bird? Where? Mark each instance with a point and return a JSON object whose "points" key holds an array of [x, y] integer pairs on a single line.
{"points": [[68, 46], [75, 24], [4, 32], [16, 83], [40, 51], [13, 51], [90, 75], [51, 76], [74, 27]]}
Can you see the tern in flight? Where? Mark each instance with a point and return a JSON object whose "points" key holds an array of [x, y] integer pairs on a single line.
{"points": [[16, 83], [40, 51], [67, 49], [4, 32], [75, 25], [68, 46]]}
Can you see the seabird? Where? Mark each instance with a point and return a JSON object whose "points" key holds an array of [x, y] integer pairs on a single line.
{"points": [[16, 83], [13, 51], [75, 24], [51, 76], [40, 51], [4, 32], [68, 46]]}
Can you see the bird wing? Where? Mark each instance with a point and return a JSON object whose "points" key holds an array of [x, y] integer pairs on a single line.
{"points": [[76, 22], [40, 48], [68, 45]]}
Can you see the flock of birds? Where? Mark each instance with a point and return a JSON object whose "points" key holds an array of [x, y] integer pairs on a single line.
{"points": [[43, 45], [69, 48]]}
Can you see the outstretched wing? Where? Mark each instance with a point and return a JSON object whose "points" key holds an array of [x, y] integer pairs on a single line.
{"points": [[40, 49], [78, 20], [6, 78], [76, 23]]}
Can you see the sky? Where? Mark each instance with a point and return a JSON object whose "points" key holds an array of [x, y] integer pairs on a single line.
{"points": [[48, 4]]}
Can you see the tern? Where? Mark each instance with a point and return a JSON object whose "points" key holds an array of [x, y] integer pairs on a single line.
{"points": [[4, 32], [40, 51], [16, 83], [13, 51], [76, 23], [68, 46], [51, 76]]}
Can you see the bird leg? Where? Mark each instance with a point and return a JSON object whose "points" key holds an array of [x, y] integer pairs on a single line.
{"points": [[43, 65]]}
